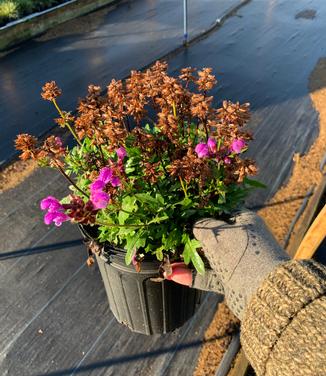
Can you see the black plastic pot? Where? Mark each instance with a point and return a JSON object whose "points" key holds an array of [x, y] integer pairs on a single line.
{"points": [[141, 304]]}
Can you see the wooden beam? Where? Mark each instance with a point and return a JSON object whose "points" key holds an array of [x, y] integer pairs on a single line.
{"points": [[313, 238], [309, 214], [241, 365]]}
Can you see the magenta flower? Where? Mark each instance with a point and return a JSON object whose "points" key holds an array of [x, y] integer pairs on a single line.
{"points": [[202, 150], [51, 204], [227, 160], [97, 185], [211, 143], [115, 181], [57, 217], [58, 141], [134, 258], [121, 153], [237, 145], [100, 199], [105, 175], [55, 211]]}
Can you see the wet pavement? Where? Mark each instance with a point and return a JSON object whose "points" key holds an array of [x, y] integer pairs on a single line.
{"points": [[55, 319], [93, 49]]}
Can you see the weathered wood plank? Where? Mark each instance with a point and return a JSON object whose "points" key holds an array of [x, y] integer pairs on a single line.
{"points": [[309, 214]]}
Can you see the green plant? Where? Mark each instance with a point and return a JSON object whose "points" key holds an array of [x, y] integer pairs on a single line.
{"points": [[8, 10], [14, 9], [25, 7], [152, 157]]}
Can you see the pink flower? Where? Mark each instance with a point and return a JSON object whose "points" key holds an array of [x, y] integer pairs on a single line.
{"points": [[58, 141], [237, 145], [105, 175], [121, 153], [227, 160], [134, 258], [115, 181], [55, 211], [211, 143], [57, 217], [97, 185], [51, 204], [100, 199], [202, 150]]}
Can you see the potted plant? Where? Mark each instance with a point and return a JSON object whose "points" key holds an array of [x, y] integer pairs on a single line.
{"points": [[152, 156]]}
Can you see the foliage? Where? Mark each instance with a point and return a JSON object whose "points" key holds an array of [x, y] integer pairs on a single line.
{"points": [[8, 10], [152, 157], [14, 9]]}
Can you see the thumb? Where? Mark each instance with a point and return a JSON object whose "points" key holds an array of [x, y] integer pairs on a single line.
{"points": [[180, 274], [183, 275]]}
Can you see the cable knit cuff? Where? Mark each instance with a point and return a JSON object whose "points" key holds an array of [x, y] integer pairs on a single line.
{"points": [[282, 295]]}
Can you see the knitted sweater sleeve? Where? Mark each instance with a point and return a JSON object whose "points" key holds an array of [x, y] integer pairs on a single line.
{"points": [[283, 331]]}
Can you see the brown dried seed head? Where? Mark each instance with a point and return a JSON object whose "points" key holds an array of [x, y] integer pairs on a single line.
{"points": [[27, 145], [90, 261], [206, 80], [187, 74], [234, 113], [50, 91]]}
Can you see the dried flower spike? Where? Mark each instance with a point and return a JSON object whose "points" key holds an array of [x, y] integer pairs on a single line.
{"points": [[27, 145], [50, 91]]}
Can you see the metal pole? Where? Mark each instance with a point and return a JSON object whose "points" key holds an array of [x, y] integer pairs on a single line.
{"points": [[185, 22]]}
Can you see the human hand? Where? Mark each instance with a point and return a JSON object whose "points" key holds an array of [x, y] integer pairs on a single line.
{"points": [[240, 255]]}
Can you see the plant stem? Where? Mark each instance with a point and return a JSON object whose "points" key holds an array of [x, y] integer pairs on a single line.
{"points": [[71, 181], [66, 123], [102, 154], [183, 187], [116, 225], [174, 110]]}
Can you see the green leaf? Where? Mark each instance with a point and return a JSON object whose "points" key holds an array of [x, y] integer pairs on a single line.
{"points": [[146, 198], [188, 213], [65, 200], [124, 231], [134, 242], [190, 253], [158, 219], [172, 240], [122, 217], [186, 255], [197, 262], [160, 198], [254, 183], [129, 203], [159, 253], [186, 202], [131, 246]]}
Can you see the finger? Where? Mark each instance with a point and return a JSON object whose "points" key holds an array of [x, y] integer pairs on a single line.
{"points": [[180, 274]]}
